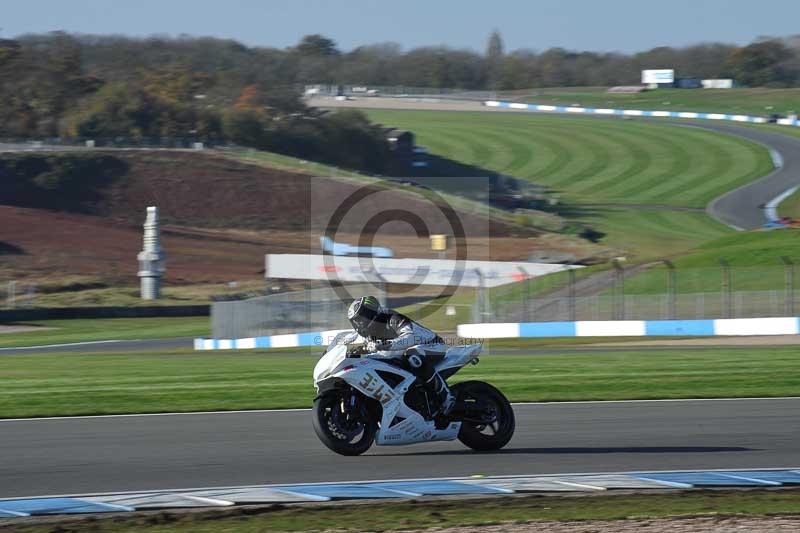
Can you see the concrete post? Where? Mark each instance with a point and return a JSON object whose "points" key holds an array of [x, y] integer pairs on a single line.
{"points": [[151, 258]]}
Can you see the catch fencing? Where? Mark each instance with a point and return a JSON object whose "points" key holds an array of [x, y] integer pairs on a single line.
{"points": [[288, 312], [737, 304], [653, 292], [657, 291]]}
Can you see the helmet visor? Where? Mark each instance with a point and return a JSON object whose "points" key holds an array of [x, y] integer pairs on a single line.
{"points": [[363, 319]]}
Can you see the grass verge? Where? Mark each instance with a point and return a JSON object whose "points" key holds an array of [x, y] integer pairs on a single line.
{"points": [[592, 161], [82, 384], [642, 184], [85, 330], [754, 257], [441, 513]]}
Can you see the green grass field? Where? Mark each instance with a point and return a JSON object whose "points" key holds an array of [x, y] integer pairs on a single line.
{"points": [[616, 169], [650, 233], [790, 207], [83, 330], [537, 510], [755, 259], [74, 384], [738, 101], [591, 161]]}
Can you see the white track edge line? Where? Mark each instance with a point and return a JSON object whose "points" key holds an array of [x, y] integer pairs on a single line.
{"points": [[304, 409], [85, 343]]}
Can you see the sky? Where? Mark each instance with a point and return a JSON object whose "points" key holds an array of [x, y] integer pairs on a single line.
{"points": [[598, 25]]}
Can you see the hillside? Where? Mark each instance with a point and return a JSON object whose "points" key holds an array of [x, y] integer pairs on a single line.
{"points": [[643, 185], [199, 189], [71, 223]]}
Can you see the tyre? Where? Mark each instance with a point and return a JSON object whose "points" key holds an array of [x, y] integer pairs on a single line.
{"points": [[484, 437], [343, 422]]}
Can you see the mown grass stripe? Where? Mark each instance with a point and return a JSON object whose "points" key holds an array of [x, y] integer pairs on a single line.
{"points": [[679, 162], [638, 162]]}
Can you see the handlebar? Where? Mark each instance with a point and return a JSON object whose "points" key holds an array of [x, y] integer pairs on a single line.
{"points": [[356, 351]]}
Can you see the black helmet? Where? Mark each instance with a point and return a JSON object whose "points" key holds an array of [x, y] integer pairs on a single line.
{"points": [[363, 313]]}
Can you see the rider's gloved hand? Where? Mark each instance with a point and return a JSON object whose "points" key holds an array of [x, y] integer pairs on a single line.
{"points": [[374, 346]]}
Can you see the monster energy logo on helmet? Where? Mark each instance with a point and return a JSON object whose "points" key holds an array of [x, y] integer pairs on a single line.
{"points": [[363, 306], [363, 312]]}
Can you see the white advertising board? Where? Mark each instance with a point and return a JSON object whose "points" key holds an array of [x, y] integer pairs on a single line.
{"points": [[442, 272], [662, 75], [717, 84]]}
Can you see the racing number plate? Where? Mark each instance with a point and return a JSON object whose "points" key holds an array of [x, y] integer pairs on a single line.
{"points": [[370, 384]]}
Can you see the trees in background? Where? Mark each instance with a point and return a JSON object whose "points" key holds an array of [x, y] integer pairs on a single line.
{"points": [[179, 68], [209, 89], [112, 89], [764, 63], [494, 59]]}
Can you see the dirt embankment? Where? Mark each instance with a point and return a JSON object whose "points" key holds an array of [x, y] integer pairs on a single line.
{"points": [[205, 190], [61, 217]]}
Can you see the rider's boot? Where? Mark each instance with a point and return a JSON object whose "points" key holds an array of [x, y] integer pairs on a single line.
{"points": [[443, 399], [440, 398]]}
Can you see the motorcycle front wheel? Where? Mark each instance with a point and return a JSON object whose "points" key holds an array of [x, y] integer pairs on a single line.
{"points": [[343, 422], [497, 430]]}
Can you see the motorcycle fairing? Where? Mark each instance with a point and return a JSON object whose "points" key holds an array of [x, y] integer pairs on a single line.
{"points": [[362, 374]]}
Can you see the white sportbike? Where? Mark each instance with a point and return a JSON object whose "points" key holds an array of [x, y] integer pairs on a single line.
{"points": [[362, 399]]}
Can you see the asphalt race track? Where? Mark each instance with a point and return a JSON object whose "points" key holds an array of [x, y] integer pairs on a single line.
{"points": [[106, 454], [743, 207], [139, 453]]}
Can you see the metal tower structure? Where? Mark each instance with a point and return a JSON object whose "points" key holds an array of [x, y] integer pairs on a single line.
{"points": [[151, 258]]}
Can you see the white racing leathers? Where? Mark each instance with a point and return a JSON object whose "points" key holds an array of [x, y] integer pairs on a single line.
{"points": [[420, 348], [401, 333]]}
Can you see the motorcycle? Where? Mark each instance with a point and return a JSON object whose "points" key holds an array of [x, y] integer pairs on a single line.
{"points": [[361, 400]]}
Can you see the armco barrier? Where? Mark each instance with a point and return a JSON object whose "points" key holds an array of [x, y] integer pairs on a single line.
{"points": [[581, 328], [636, 112], [634, 328]]}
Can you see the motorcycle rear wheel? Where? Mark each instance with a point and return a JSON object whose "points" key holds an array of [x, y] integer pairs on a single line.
{"points": [[485, 437], [342, 428]]}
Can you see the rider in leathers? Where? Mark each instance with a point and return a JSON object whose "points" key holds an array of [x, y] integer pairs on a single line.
{"points": [[390, 334]]}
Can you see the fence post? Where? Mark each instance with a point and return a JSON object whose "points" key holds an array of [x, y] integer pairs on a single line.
{"points": [[726, 288], [788, 265], [12, 294], [619, 290], [572, 314], [527, 283], [672, 290], [30, 295], [481, 300]]}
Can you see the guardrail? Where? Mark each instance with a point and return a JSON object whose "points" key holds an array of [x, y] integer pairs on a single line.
{"points": [[637, 112], [580, 328], [288, 340]]}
